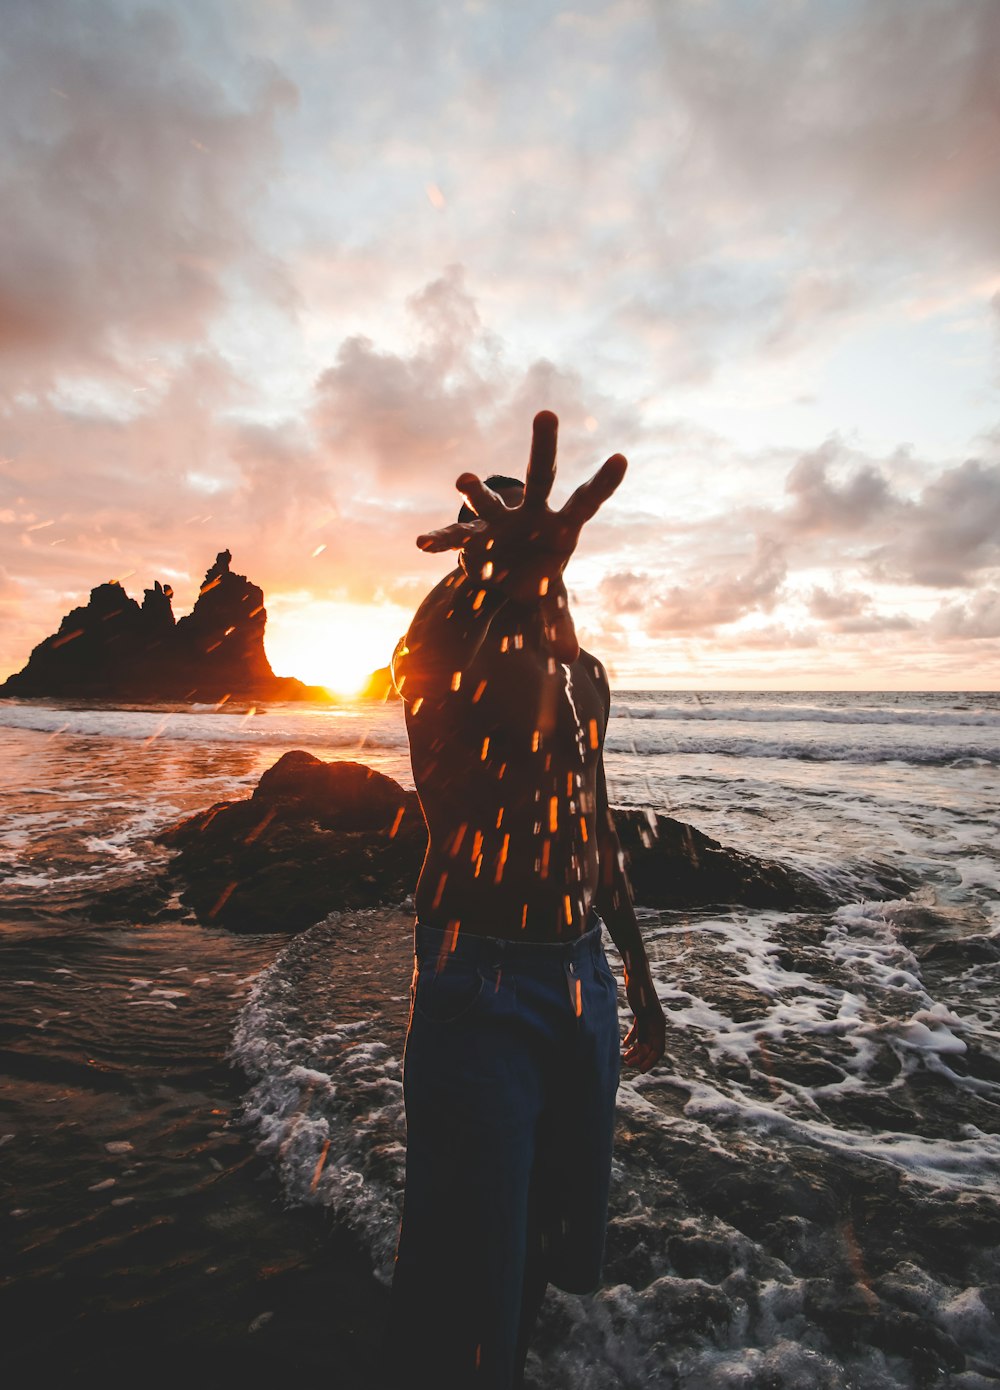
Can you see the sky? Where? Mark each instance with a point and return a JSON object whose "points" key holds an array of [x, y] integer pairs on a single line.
{"points": [[274, 272]]}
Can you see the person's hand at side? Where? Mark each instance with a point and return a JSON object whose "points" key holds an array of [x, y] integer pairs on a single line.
{"points": [[645, 1041]]}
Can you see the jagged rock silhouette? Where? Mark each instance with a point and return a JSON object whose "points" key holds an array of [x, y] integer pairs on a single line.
{"points": [[114, 649]]}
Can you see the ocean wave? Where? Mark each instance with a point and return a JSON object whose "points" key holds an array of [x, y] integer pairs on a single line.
{"points": [[644, 740], [357, 729], [640, 727], [703, 711], [326, 1103], [799, 1055]]}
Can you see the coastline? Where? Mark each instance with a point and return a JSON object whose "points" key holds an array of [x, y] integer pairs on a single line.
{"points": [[824, 1133]]}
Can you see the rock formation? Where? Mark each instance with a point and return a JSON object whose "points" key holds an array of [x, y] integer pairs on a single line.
{"points": [[313, 837], [673, 865], [318, 836], [113, 649], [379, 686]]}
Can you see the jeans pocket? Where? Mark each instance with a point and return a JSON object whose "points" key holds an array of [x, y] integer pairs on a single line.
{"points": [[448, 994], [604, 972]]}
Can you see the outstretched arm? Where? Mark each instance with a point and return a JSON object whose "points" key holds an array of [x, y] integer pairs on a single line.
{"points": [[507, 554]]}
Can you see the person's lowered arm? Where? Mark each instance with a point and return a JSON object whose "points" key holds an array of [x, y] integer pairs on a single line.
{"points": [[645, 1041]]}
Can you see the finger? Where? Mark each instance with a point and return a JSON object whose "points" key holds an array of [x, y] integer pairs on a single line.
{"points": [[482, 499], [542, 463], [451, 537], [590, 496]]}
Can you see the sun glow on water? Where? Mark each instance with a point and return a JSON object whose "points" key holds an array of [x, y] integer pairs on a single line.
{"points": [[337, 645]]}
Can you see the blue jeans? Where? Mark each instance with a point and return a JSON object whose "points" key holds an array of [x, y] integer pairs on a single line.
{"points": [[509, 1079]]}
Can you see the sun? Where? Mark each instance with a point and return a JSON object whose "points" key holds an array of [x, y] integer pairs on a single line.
{"points": [[337, 645]]}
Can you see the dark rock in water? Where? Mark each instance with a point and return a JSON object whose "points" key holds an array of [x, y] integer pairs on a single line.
{"points": [[975, 950], [335, 796], [316, 837], [672, 865], [379, 686], [113, 649], [313, 837]]}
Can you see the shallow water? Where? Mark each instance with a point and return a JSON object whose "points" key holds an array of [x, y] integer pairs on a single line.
{"points": [[806, 1188]]}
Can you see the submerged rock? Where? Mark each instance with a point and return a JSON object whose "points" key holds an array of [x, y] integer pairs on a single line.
{"points": [[313, 837], [673, 865], [113, 649], [317, 836]]}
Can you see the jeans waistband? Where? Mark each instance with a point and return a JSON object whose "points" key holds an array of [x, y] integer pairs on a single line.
{"points": [[431, 943]]}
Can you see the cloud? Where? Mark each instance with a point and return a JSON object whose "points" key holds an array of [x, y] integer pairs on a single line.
{"points": [[843, 507], [821, 506], [625, 592], [954, 530], [666, 189], [281, 472], [403, 415], [850, 611], [453, 401], [866, 623], [772, 637], [800, 175], [976, 619], [840, 513], [129, 171], [842, 603], [11, 592], [881, 123], [815, 302], [705, 602]]}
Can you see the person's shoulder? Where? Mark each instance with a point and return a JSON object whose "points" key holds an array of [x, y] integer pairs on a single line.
{"points": [[451, 581], [595, 671], [594, 667], [402, 666], [440, 597]]}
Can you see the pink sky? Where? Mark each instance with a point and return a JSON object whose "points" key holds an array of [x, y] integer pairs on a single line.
{"points": [[272, 274]]}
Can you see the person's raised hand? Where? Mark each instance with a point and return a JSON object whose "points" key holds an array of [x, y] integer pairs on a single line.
{"points": [[525, 548]]}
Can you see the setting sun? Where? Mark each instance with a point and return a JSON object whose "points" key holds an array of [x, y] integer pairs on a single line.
{"points": [[338, 645]]}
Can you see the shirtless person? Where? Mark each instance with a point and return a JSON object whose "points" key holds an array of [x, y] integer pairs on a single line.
{"points": [[512, 1053]]}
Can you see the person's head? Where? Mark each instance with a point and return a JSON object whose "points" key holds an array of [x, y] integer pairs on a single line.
{"points": [[510, 489]]}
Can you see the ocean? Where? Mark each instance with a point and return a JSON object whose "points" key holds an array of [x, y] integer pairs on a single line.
{"points": [[806, 1190]]}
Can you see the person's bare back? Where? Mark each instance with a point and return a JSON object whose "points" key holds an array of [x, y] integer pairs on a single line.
{"points": [[507, 765], [512, 1054], [506, 719]]}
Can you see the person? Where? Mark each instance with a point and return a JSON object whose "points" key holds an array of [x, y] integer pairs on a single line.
{"points": [[512, 1053]]}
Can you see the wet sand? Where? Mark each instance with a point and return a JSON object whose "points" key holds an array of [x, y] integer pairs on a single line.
{"points": [[221, 1288], [185, 1264]]}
